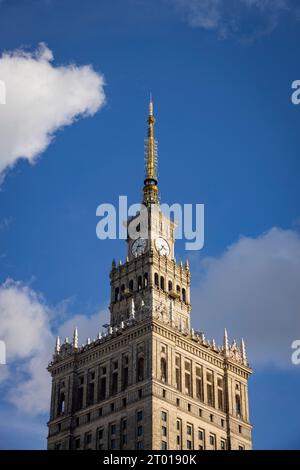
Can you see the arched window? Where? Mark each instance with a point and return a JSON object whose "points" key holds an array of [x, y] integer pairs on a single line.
{"points": [[139, 282], [156, 281], [145, 279], [178, 290], [122, 291], [170, 286], [238, 406], [183, 295], [140, 369], [61, 404], [116, 294], [162, 282], [131, 285], [163, 369]]}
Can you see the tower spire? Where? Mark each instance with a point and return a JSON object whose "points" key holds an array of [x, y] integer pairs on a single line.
{"points": [[150, 182]]}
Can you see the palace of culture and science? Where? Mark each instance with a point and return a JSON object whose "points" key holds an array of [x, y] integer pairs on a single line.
{"points": [[150, 381]]}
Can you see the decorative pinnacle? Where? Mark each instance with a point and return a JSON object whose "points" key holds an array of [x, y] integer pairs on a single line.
{"points": [[150, 183], [57, 345], [243, 349], [75, 338], [226, 344]]}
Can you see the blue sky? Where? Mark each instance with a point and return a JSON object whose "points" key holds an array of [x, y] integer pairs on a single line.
{"points": [[228, 137]]}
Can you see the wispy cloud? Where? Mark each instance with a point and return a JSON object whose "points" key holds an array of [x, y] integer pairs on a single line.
{"points": [[247, 19], [254, 290], [27, 331]]}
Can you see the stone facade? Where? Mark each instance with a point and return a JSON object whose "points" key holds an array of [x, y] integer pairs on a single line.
{"points": [[150, 381]]}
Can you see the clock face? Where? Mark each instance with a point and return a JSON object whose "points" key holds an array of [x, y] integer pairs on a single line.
{"points": [[139, 246], [162, 246]]}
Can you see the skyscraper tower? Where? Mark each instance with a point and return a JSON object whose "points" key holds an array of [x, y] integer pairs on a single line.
{"points": [[150, 381]]}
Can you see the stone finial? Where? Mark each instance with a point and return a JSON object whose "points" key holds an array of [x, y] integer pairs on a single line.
{"points": [[66, 340], [213, 344], [75, 338], [120, 263], [127, 259], [243, 349], [57, 345], [99, 335], [88, 341], [187, 267], [113, 264], [110, 330], [180, 264], [122, 325]]}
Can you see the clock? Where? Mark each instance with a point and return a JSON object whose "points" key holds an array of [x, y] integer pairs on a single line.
{"points": [[139, 246], [162, 246]]}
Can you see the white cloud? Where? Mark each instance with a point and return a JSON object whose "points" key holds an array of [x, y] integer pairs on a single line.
{"points": [[254, 290], [25, 327], [40, 99], [228, 17]]}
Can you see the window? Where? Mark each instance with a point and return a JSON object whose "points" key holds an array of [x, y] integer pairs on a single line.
{"points": [[114, 377], [140, 282], [183, 295], [131, 285], [199, 383], [178, 290], [212, 440], [164, 430], [140, 431], [77, 422], [162, 282], [189, 407], [164, 445], [88, 417], [200, 434], [61, 404], [240, 429], [164, 393], [210, 388], [223, 444], [88, 438], [188, 378], [170, 286], [124, 439], [178, 425], [100, 411], [200, 412], [145, 279], [112, 407], [100, 434], [112, 443], [117, 294], [164, 416], [163, 369], [140, 369], [178, 440], [77, 443], [124, 402], [125, 363], [140, 393], [177, 402], [156, 280], [59, 427], [102, 392], [220, 394], [113, 429], [211, 417], [222, 423], [139, 445], [139, 415], [189, 430], [238, 405], [189, 444], [178, 372], [90, 393]]}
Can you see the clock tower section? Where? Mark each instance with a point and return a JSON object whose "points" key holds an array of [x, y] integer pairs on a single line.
{"points": [[150, 283]]}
